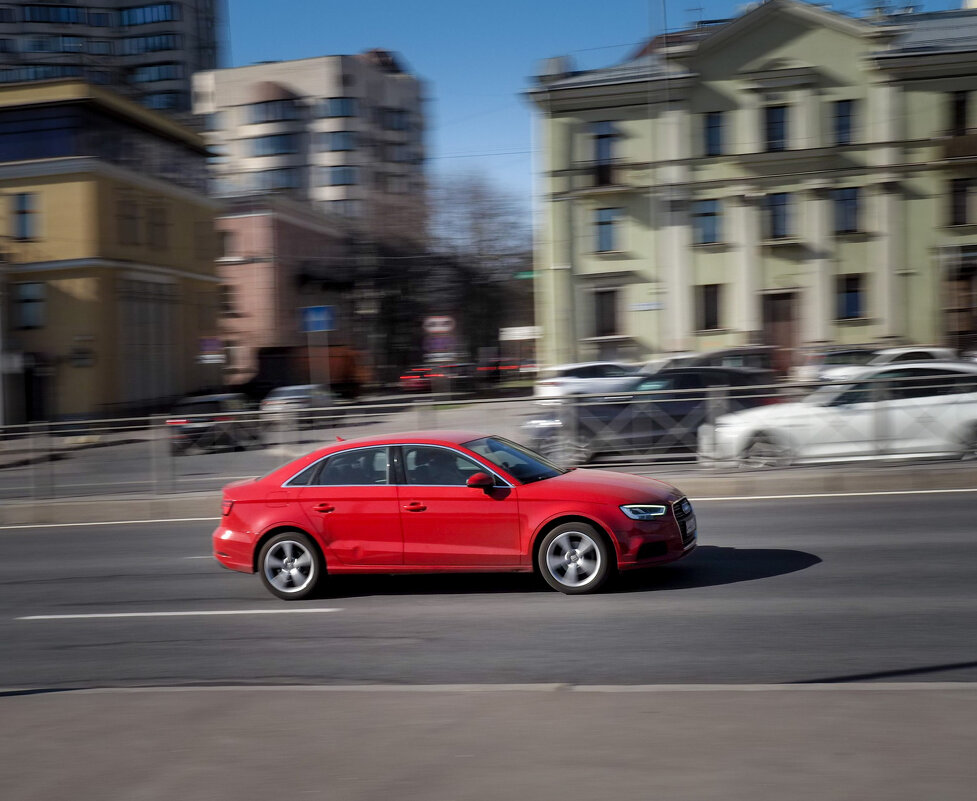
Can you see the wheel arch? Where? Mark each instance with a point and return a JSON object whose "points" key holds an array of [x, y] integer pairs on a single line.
{"points": [[549, 525], [281, 529]]}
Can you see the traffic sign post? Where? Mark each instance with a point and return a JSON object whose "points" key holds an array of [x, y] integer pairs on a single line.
{"points": [[318, 319]]}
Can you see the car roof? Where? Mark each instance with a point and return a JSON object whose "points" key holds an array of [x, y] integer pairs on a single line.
{"points": [[707, 369], [910, 349], [587, 364], [959, 367]]}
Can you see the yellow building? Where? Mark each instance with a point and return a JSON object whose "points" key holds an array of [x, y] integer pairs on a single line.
{"points": [[110, 297]]}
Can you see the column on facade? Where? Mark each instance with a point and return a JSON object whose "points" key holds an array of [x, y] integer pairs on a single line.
{"points": [[744, 235], [890, 261], [677, 239], [818, 304], [808, 133]]}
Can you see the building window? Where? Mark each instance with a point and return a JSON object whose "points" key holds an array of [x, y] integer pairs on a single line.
{"points": [[706, 222], [157, 228], [959, 108], [713, 133], [394, 119], [844, 110], [69, 15], [99, 19], [775, 127], [607, 233], [960, 201], [150, 73], [604, 136], [707, 307], [275, 145], [225, 300], [24, 216], [127, 217], [29, 305], [339, 175], [605, 313], [345, 208], [150, 44], [272, 111], [851, 297], [161, 100], [336, 140], [273, 180], [6, 14], [144, 15], [778, 215], [6, 45], [100, 47], [846, 210], [338, 107]]}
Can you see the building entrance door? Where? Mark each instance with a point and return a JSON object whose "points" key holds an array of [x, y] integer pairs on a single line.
{"points": [[780, 326]]}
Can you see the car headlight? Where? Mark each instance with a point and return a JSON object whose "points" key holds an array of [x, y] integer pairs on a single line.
{"points": [[544, 423], [644, 511]]}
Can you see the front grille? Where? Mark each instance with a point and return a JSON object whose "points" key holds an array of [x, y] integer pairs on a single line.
{"points": [[685, 517]]}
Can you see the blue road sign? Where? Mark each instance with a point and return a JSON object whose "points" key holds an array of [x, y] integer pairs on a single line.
{"points": [[317, 318]]}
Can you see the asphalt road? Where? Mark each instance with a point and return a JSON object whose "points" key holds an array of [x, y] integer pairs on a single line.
{"points": [[813, 649], [779, 591]]}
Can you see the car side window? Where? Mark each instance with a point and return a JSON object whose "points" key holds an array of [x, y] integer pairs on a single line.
{"points": [[428, 465], [360, 467]]}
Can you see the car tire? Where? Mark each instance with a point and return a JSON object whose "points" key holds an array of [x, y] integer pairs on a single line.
{"points": [[765, 450], [290, 566], [574, 559]]}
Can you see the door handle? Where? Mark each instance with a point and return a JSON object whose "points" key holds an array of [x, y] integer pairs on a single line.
{"points": [[324, 507], [415, 506]]}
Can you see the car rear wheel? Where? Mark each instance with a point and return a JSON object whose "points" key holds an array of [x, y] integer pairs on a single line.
{"points": [[290, 566], [574, 559]]}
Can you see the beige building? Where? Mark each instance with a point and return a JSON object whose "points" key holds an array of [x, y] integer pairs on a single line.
{"points": [[793, 176], [345, 132], [110, 296]]}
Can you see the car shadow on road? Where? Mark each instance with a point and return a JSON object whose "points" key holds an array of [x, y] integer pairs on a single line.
{"points": [[708, 566], [712, 565]]}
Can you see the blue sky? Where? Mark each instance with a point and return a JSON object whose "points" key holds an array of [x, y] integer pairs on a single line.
{"points": [[476, 57]]}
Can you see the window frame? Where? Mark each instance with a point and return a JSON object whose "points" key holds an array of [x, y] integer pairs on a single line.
{"points": [[707, 227], [709, 307], [843, 128], [712, 134], [847, 209], [606, 229], [850, 302], [24, 217], [776, 141]]}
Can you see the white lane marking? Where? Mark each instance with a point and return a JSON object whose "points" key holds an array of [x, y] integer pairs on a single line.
{"points": [[194, 613], [906, 686], [208, 556], [720, 498], [834, 495], [116, 523]]}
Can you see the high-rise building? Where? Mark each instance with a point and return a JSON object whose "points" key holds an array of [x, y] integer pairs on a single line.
{"points": [[344, 132], [148, 51]]}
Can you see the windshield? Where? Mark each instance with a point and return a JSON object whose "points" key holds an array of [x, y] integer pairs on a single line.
{"points": [[519, 462]]}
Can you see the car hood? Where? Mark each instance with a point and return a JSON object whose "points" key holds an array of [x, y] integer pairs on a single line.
{"points": [[603, 486], [764, 415], [841, 373]]}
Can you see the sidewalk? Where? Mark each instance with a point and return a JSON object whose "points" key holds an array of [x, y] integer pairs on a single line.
{"points": [[871, 742], [697, 483]]}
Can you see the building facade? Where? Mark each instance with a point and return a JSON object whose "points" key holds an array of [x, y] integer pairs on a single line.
{"points": [[791, 177], [109, 291], [146, 50], [344, 132]]}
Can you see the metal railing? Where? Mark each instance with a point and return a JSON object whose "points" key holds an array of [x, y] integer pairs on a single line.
{"points": [[755, 426]]}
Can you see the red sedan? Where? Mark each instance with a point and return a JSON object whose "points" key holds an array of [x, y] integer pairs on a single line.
{"points": [[439, 501]]}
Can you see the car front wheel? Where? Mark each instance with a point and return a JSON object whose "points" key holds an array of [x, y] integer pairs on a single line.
{"points": [[574, 559], [290, 566]]}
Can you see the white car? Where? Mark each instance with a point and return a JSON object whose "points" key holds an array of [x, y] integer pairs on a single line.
{"points": [[915, 409], [583, 379], [889, 356]]}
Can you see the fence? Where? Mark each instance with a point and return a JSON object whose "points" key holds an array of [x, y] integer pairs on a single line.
{"points": [[755, 427]]}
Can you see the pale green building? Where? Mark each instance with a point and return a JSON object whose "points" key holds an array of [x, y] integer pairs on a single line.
{"points": [[793, 176]]}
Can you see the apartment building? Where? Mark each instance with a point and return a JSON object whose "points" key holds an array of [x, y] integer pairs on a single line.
{"points": [[108, 284], [146, 50], [344, 132], [793, 176]]}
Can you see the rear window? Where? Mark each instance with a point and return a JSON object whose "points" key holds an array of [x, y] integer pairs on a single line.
{"points": [[197, 407]]}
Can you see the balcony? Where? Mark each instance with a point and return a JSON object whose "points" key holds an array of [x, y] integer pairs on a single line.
{"points": [[602, 177], [960, 145]]}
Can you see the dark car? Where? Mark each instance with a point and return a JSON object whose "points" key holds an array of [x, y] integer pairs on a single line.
{"points": [[659, 414], [213, 422], [761, 357]]}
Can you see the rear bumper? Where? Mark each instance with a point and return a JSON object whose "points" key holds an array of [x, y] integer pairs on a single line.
{"points": [[233, 549]]}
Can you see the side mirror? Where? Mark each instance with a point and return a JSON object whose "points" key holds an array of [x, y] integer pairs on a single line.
{"points": [[481, 480]]}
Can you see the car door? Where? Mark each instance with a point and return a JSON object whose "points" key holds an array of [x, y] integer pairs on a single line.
{"points": [[446, 522], [847, 425], [921, 410], [353, 505]]}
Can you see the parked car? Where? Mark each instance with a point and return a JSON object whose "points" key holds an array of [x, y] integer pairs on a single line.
{"points": [[816, 362], [454, 378], [310, 404], [762, 357], [213, 422], [885, 356], [921, 408], [446, 501], [582, 379], [665, 420]]}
